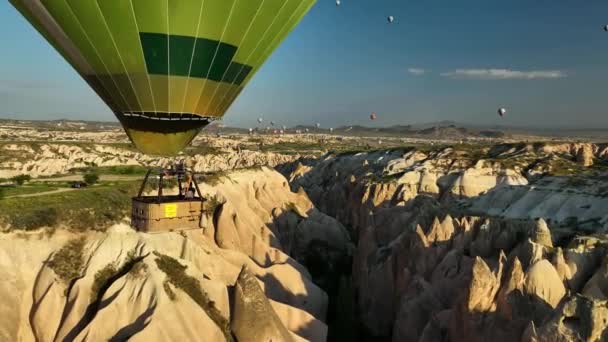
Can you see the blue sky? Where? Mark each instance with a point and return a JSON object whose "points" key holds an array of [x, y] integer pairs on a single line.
{"points": [[546, 61]]}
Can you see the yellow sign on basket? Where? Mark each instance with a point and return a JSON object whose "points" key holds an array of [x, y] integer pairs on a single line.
{"points": [[170, 210]]}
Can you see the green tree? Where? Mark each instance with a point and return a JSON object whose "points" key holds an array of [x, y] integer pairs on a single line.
{"points": [[21, 179], [90, 178]]}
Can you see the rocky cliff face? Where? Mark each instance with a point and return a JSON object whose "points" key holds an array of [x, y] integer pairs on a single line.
{"points": [[457, 245], [233, 280]]}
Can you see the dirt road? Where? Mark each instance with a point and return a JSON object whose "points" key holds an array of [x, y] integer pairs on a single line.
{"points": [[42, 193]]}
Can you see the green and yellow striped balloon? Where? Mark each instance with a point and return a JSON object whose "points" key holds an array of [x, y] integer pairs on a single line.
{"points": [[166, 68]]}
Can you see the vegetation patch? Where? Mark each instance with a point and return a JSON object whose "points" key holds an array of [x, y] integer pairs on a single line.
{"points": [[102, 277], [212, 203], [169, 290], [133, 266], [37, 218], [90, 178], [68, 262], [119, 170], [84, 209], [21, 179], [176, 275]]}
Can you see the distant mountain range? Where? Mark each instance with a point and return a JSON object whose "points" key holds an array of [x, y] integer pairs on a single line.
{"points": [[440, 129]]}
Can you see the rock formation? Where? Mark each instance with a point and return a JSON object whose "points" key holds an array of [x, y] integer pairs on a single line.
{"points": [[233, 279], [584, 156], [51, 159], [451, 249]]}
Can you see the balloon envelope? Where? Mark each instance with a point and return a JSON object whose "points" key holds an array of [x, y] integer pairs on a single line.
{"points": [[165, 68]]}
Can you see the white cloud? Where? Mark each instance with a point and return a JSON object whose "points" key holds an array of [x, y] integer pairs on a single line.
{"points": [[416, 71], [503, 74]]}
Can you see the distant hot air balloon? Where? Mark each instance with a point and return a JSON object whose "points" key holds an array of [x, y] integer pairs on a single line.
{"points": [[373, 116], [502, 112], [260, 120], [390, 19], [338, 2], [165, 68], [318, 125]]}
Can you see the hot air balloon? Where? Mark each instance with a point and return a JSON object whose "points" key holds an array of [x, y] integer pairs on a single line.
{"points": [[165, 68], [338, 2], [373, 116], [390, 19], [260, 120], [502, 112]]}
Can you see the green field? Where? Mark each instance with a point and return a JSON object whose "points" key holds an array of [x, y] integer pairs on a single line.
{"points": [[32, 188], [96, 207], [114, 170]]}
